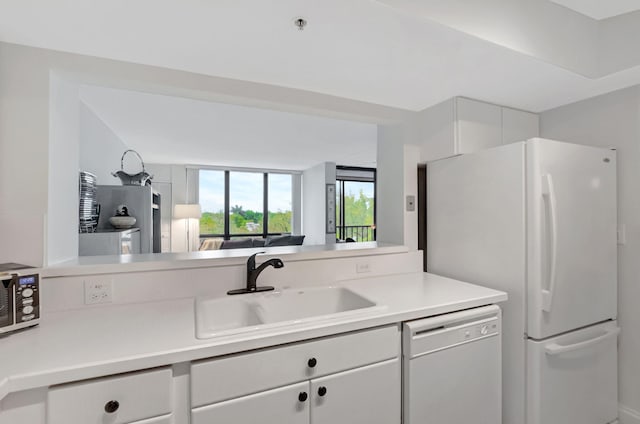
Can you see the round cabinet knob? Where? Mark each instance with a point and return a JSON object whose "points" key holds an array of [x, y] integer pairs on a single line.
{"points": [[312, 362], [322, 391], [302, 396], [111, 406]]}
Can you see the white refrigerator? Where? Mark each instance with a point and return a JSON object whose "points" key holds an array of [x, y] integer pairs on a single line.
{"points": [[537, 219]]}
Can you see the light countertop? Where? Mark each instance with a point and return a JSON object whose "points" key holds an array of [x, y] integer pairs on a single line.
{"points": [[81, 344], [210, 258]]}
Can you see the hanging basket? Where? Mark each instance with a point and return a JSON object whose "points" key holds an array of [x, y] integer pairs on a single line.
{"points": [[139, 179]]}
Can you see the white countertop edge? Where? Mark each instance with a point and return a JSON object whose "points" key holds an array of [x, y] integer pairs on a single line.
{"points": [[230, 345], [110, 264]]}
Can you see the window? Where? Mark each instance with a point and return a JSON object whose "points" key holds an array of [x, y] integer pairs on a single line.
{"points": [[280, 211], [355, 203], [234, 203], [246, 203], [211, 199]]}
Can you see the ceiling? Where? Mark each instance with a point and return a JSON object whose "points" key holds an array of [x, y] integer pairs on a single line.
{"points": [[409, 54], [174, 130], [600, 9]]}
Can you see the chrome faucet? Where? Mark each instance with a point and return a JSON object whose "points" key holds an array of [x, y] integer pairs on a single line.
{"points": [[253, 272]]}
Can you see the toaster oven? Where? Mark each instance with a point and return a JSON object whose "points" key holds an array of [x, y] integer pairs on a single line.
{"points": [[19, 299]]}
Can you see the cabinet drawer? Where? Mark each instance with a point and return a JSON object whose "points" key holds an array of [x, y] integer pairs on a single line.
{"points": [[281, 405], [138, 396], [216, 380]]}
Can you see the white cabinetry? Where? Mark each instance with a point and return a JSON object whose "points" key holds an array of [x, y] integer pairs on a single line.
{"points": [[365, 395], [117, 400], [353, 379], [478, 125], [460, 125], [518, 125], [288, 404]]}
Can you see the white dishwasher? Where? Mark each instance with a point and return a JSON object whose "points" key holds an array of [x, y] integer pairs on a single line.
{"points": [[452, 368]]}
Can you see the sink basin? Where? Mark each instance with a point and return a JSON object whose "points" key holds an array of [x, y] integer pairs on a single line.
{"points": [[261, 311], [291, 305], [216, 316]]}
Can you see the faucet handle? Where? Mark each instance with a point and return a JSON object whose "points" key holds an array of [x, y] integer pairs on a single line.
{"points": [[256, 254], [251, 261]]}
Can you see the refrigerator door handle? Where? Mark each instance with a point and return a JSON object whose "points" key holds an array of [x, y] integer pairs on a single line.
{"points": [[555, 349], [549, 199]]}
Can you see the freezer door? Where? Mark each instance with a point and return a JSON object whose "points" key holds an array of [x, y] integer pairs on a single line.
{"points": [[573, 378], [571, 237]]}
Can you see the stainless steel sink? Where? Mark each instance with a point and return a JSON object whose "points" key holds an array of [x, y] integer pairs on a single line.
{"points": [[217, 317]]}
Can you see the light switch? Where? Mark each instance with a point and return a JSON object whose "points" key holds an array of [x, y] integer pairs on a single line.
{"points": [[622, 234], [411, 203]]}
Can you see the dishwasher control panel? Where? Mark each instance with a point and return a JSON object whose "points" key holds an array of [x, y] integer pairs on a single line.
{"points": [[479, 330], [432, 334]]}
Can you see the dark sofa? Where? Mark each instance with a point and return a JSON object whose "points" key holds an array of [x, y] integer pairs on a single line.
{"points": [[284, 240]]}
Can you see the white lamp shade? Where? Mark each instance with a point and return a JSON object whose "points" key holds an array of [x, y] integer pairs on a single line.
{"points": [[187, 211]]}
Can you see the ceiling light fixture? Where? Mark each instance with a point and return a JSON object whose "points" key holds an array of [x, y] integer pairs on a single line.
{"points": [[300, 23]]}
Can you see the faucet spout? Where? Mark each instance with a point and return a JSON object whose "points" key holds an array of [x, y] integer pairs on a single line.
{"points": [[253, 273]]}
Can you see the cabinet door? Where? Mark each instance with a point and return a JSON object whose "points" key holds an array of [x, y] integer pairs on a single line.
{"points": [[479, 125], [518, 125], [366, 395], [289, 404]]}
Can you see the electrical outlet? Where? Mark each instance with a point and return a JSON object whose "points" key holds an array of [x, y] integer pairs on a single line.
{"points": [[98, 290], [363, 267]]}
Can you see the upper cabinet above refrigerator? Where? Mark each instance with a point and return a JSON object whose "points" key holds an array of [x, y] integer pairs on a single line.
{"points": [[460, 125]]}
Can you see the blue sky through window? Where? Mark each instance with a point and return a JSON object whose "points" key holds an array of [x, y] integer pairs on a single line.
{"points": [[354, 188], [246, 190]]}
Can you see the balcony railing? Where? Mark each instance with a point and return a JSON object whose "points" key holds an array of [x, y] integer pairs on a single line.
{"points": [[356, 232]]}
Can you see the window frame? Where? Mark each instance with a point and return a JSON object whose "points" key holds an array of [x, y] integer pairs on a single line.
{"points": [[340, 180], [265, 196]]}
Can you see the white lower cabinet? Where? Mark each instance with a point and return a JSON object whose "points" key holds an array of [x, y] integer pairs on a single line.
{"points": [[366, 395], [346, 379], [289, 404], [121, 399]]}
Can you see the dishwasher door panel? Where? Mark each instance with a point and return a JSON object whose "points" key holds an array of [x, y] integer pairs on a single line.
{"points": [[458, 385]]}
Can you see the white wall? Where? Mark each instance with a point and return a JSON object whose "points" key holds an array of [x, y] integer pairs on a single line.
{"points": [[616, 47], [410, 183], [24, 125], [100, 148], [64, 141], [314, 181], [24, 155], [613, 120], [397, 177], [390, 180]]}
